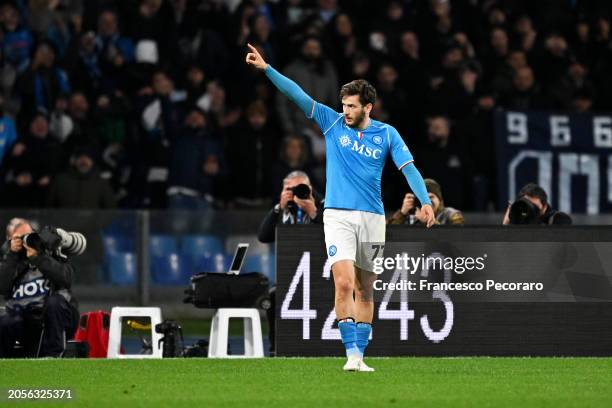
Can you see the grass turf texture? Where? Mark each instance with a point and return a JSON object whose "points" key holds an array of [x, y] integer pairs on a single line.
{"points": [[281, 382]]}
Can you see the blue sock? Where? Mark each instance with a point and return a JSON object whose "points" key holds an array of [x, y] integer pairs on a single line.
{"points": [[348, 334], [362, 336]]}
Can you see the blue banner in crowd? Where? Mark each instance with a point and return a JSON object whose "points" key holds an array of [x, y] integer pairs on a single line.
{"points": [[569, 155]]}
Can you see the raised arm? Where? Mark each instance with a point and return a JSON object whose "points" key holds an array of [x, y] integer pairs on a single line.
{"points": [[288, 87]]}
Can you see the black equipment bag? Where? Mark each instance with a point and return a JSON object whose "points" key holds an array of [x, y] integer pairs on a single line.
{"points": [[214, 290]]}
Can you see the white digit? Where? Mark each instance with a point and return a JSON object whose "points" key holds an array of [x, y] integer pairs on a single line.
{"points": [[602, 131], [571, 164], [403, 314], [432, 335], [305, 313], [517, 128], [438, 336], [327, 269], [560, 133], [328, 332]]}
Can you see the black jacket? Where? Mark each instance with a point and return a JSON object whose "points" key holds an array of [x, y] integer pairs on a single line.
{"points": [[275, 216], [16, 271]]}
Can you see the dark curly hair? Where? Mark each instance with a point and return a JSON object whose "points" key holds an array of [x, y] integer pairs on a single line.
{"points": [[361, 87]]}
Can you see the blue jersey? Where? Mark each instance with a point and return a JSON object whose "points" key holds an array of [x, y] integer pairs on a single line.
{"points": [[356, 158]]}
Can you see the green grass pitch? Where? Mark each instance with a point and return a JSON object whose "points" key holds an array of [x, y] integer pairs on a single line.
{"points": [[318, 382]]}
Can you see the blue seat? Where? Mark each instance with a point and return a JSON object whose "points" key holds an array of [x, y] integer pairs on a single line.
{"points": [[170, 269], [218, 262], [197, 246], [114, 244], [122, 268], [160, 245], [260, 263]]}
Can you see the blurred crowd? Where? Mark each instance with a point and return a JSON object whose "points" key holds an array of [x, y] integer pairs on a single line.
{"points": [[148, 103]]}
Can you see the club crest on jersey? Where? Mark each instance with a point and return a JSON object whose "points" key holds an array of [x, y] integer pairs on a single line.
{"points": [[332, 250], [377, 140], [345, 140]]}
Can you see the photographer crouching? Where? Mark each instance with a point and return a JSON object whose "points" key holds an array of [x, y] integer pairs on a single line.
{"points": [[531, 207], [35, 277], [297, 205]]}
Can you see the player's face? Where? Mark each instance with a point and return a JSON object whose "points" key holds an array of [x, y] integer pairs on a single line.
{"points": [[355, 113]]}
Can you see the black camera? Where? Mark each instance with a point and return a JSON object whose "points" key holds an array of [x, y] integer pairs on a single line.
{"points": [[172, 339], [301, 191], [45, 240], [523, 211]]}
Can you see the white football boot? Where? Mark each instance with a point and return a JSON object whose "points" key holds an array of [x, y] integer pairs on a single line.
{"points": [[364, 368], [353, 363]]}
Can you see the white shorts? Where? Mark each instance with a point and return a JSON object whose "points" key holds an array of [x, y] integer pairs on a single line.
{"points": [[354, 235]]}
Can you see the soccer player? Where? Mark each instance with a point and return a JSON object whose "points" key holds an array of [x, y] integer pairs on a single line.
{"points": [[354, 217]]}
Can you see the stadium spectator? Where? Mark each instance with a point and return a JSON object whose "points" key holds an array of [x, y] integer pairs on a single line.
{"points": [[575, 81], [81, 186], [17, 41], [443, 158], [195, 86], [216, 105], [87, 72], [410, 214], [31, 166], [196, 165], [114, 49], [501, 81], [555, 60], [327, 10], [317, 76], [161, 115], [293, 156], [154, 20], [526, 33], [252, 150], [525, 93], [475, 131], [391, 95], [201, 45], [42, 83], [343, 43]]}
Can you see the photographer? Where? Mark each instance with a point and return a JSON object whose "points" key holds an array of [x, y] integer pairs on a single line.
{"points": [[36, 278], [531, 207], [410, 214], [297, 205]]}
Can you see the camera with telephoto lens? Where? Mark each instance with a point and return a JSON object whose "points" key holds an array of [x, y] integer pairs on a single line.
{"points": [[523, 212], [172, 338], [56, 241], [47, 240], [301, 191]]}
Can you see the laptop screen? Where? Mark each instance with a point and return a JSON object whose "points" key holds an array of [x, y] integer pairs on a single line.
{"points": [[239, 257]]}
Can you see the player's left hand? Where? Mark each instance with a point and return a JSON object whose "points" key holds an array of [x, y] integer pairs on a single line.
{"points": [[426, 215], [307, 205]]}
